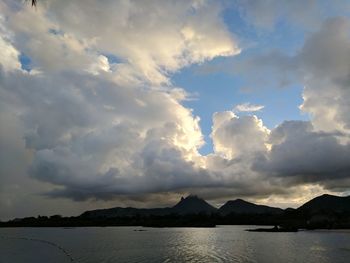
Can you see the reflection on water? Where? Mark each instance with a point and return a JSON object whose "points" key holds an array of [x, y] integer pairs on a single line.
{"points": [[123, 244]]}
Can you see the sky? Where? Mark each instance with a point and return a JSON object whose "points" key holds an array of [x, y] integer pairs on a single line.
{"points": [[137, 103]]}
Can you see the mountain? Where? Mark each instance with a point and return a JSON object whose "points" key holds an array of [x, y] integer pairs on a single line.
{"points": [[192, 204], [240, 206], [323, 212], [189, 205], [326, 204]]}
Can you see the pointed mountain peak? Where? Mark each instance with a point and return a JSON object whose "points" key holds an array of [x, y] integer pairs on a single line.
{"points": [[193, 197], [192, 204]]}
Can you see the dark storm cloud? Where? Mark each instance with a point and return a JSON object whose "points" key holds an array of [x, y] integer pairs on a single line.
{"points": [[301, 155]]}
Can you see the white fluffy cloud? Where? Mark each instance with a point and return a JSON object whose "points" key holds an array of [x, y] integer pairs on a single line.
{"points": [[234, 136], [148, 39]]}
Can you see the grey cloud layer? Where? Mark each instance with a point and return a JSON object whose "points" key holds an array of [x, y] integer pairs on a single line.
{"points": [[301, 155]]}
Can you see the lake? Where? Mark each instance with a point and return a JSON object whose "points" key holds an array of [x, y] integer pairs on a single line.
{"points": [[129, 244]]}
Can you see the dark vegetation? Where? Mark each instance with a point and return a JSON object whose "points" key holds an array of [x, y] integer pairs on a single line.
{"points": [[323, 212]]}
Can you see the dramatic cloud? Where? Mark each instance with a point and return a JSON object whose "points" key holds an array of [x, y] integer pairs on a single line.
{"points": [[89, 111], [93, 116], [322, 66], [299, 152], [301, 155], [143, 41]]}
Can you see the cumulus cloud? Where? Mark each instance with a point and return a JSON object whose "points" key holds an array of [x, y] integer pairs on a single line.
{"points": [[95, 117], [296, 153], [92, 132], [302, 155], [233, 136], [324, 69], [324, 63], [149, 39], [315, 151]]}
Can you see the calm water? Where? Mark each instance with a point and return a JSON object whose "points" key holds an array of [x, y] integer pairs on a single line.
{"points": [[124, 244]]}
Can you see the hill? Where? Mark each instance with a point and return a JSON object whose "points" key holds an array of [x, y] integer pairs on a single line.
{"points": [[240, 206], [326, 204]]}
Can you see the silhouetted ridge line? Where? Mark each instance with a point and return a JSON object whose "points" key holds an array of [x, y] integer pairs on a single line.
{"points": [[240, 206], [326, 202], [323, 212]]}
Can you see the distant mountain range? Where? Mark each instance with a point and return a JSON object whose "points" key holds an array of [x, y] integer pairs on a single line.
{"points": [[326, 211], [192, 204]]}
